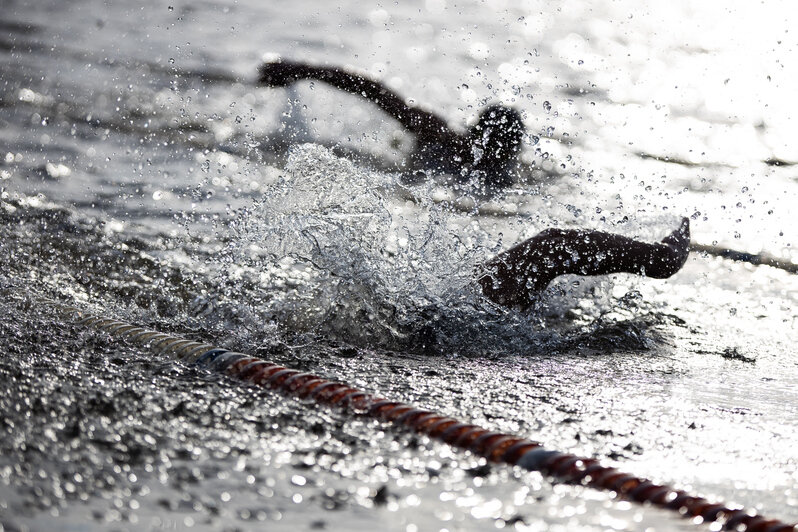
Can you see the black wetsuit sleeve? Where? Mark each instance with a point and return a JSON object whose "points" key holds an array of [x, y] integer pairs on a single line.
{"points": [[427, 126]]}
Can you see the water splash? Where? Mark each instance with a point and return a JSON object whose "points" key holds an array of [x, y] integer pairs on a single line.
{"points": [[329, 250]]}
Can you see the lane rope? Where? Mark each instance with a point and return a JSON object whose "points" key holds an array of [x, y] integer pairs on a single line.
{"points": [[756, 259], [496, 447]]}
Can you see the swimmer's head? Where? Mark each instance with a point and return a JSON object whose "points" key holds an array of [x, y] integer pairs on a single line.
{"points": [[496, 139]]}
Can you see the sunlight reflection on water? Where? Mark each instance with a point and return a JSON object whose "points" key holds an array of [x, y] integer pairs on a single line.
{"points": [[119, 112]]}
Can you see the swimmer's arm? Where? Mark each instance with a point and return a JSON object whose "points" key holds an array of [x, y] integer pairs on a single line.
{"points": [[514, 275], [417, 121]]}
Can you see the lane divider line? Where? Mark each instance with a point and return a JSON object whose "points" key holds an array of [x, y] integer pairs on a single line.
{"points": [[494, 446], [756, 259]]}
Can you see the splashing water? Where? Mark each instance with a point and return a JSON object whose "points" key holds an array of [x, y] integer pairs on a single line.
{"points": [[330, 252], [327, 251]]}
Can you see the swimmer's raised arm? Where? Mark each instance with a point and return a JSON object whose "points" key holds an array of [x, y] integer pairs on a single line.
{"points": [[512, 276], [424, 124]]}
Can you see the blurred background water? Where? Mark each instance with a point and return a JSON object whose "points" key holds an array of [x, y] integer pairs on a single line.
{"points": [[145, 176]]}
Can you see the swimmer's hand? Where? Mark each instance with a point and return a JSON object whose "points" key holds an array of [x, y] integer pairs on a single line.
{"points": [[676, 249], [280, 74]]}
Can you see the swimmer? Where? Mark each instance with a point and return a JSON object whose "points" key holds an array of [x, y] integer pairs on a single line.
{"points": [[489, 149]]}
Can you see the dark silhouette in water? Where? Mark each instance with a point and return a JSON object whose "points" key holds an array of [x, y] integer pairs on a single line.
{"points": [[491, 147]]}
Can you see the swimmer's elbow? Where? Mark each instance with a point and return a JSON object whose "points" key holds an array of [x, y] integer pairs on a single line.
{"points": [[279, 74]]}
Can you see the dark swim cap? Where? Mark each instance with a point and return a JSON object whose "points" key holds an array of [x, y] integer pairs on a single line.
{"points": [[496, 139]]}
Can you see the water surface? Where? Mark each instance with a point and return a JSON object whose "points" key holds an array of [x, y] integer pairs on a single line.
{"points": [[144, 177]]}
